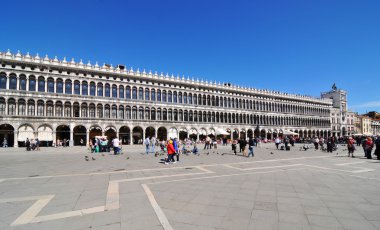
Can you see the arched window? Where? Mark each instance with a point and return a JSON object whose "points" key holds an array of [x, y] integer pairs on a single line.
{"points": [[180, 98], [11, 107], [50, 85], [121, 92], [134, 113], [106, 111], [153, 95], [76, 87], [32, 83], [68, 87], [114, 91], [128, 114], [58, 109], [164, 96], [190, 99], [59, 85], [3, 81], [107, 90], [31, 107], [141, 113], [92, 110], [121, 112], [22, 82], [99, 109], [158, 95], [114, 112], [175, 97], [2, 106], [185, 98], [40, 108], [170, 97], [92, 88], [49, 108], [13, 81], [128, 92], [21, 107], [152, 114], [141, 94], [100, 90], [134, 93], [41, 84], [84, 110], [67, 109], [84, 88], [147, 98]]}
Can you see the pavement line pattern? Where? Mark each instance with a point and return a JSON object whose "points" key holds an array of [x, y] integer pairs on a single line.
{"points": [[351, 163], [32, 211], [112, 201], [154, 169], [160, 214], [113, 193]]}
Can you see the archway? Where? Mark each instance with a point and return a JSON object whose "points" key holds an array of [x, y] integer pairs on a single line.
{"points": [[45, 135], [7, 132], [235, 134], [95, 131], [162, 134], [137, 135], [124, 135], [110, 132], [150, 132], [257, 133], [24, 132], [202, 134], [173, 133], [250, 133], [300, 134], [275, 134], [62, 135], [242, 134], [183, 133], [269, 135], [263, 134], [79, 133], [193, 134], [211, 133]]}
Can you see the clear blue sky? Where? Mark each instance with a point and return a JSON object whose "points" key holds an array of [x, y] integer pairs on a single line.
{"points": [[295, 46]]}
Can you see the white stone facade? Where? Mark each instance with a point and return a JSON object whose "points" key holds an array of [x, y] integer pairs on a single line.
{"points": [[55, 100]]}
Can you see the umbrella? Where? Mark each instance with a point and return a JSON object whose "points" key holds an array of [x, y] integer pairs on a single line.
{"points": [[221, 132]]}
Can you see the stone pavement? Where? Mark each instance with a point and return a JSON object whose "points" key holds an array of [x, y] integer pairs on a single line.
{"points": [[55, 188]]}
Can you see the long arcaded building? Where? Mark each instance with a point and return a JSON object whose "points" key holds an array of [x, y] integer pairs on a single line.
{"points": [[53, 100]]}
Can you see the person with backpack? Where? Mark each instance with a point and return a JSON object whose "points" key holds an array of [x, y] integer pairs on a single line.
{"points": [[368, 147], [377, 151], [147, 143], [251, 144], [351, 146]]}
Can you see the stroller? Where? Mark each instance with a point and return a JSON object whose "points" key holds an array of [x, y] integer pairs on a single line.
{"points": [[162, 151]]}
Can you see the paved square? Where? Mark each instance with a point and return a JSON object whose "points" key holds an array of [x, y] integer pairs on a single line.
{"points": [[56, 188]]}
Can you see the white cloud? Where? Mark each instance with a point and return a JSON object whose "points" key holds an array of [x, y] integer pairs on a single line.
{"points": [[370, 104]]}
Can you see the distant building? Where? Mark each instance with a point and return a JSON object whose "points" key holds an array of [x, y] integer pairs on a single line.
{"points": [[57, 100], [342, 120]]}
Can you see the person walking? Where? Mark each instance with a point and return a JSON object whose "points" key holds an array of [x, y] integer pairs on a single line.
{"points": [[38, 144], [152, 144], [207, 143], [5, 143], [251, 144], [171, 152], [233, 145], [316, 143], [330, 144], [351, 146], [27, 144], [147, 143], [368, 147], [175, 145], [81, 142], [116, 146], [243, 146], [277, 142], [377, 143]]}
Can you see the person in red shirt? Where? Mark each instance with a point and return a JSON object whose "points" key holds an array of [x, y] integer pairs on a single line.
{"points": [[368, 147], [351, 146], [171, 152]]}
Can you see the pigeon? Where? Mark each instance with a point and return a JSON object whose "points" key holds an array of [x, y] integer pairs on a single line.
{"points": [[93, 158], [103, 154], [271, 152], [127, 158]]}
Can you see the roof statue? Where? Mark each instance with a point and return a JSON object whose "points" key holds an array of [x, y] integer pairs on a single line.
{"points": [[334, 87]]}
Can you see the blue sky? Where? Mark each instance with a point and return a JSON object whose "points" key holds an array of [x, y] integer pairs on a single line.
{"points": [[295, 46]]}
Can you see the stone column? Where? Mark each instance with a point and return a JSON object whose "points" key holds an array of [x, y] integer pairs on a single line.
{"points": [[15, 138], [87, 137], [71, 138], [27, 84]]}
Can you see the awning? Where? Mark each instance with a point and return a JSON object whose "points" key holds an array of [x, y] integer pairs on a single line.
{"points": [[287, 132], [221, 132]]}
